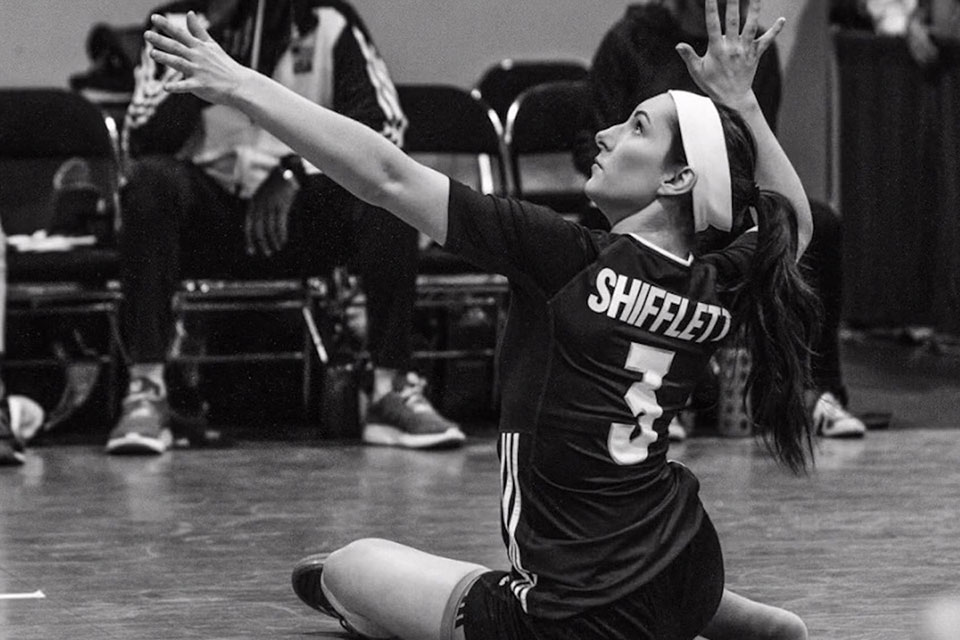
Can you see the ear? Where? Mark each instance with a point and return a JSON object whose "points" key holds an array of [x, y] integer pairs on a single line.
{"points": [[677, 182]]}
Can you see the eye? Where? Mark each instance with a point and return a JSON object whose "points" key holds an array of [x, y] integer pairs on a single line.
{"points": [[638, 124]]}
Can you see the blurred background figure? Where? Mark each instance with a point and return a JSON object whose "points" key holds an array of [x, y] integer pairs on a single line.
{"points": [[206, 176]]}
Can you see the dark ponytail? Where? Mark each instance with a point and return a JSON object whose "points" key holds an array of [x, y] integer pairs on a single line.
{"points": [[775, 309]]}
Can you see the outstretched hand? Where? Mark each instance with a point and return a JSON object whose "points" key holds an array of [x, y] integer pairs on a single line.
{"points": [[207, 71], [726, 70]]}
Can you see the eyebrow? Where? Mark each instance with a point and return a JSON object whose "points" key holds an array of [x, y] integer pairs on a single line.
{"points": [[641, 112]]}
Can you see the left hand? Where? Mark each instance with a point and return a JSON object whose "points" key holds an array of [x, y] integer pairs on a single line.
{"points": [[266, 224], [726, 71], [208, 71]]}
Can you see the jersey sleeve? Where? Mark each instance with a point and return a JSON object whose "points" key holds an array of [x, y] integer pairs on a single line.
{"points": [[532, 245]]}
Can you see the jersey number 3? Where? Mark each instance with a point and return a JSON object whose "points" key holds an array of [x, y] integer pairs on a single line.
{"points": [[625, 447]]}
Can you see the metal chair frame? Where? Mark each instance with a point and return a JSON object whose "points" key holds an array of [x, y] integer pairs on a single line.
{"points": [[53, 125]]}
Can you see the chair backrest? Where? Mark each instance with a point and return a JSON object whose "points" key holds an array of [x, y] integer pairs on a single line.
{"points": [[40, 130], [500, 84], [455, 133], [542, 127]]}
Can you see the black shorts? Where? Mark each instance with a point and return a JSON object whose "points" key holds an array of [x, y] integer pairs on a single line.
{"points": [[675, 605]]}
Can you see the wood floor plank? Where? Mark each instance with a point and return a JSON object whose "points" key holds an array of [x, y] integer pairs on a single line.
{"points": [[199, 544]]}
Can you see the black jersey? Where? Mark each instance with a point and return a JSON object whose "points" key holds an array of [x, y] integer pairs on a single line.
{"points": [[605, 338]]}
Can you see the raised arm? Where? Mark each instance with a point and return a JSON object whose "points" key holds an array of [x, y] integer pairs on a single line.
{"points": [[725, 73], [358, 158]]}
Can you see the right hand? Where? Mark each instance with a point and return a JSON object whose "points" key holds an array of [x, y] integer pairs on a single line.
{"points": [[266, 224], [726, 71], [208, 71]]}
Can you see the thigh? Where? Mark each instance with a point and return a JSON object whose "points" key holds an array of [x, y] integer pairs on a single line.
{"points": [[322, 227], [740, 618]]}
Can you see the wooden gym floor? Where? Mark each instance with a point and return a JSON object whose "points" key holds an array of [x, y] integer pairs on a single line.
{"points": [[199, 544]]}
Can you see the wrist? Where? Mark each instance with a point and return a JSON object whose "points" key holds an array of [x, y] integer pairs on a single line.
{"points": [[745, 104]]}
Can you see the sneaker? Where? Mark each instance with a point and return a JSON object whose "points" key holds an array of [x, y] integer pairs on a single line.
{"points": [[676, 432], [11, 446], [144, 425], [20, 419], [405, 418], [833, 421], [307, 582]]}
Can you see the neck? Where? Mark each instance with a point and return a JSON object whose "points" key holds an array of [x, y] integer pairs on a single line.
{"points": [[658, 225]]}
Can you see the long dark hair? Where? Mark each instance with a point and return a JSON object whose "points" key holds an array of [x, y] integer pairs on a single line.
{"points": [[776, 312]]}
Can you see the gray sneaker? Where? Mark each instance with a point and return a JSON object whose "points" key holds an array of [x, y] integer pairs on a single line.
{"points": [[405, 418], [144, 425]]}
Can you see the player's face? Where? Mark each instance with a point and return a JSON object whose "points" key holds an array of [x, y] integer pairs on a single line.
{"points": [[634, 159]]}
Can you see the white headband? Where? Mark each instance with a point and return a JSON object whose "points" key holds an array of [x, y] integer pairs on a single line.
{"points": [[706, 151]]}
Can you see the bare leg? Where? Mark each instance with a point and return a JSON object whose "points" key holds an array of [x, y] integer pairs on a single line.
{"points": [[383, 588], [739, 618]]}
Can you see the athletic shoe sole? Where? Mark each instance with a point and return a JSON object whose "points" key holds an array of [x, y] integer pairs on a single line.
{"points": [[10, 457], [841, 434], [138, 444], [390, 436], [307, 580]]}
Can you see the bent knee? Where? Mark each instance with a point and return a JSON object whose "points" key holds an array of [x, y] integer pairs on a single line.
{"points": [[347, 562]]}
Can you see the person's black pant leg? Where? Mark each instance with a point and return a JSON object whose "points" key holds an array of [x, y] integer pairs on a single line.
{"points": [[823, 266], [176, 221], [335, 228]]}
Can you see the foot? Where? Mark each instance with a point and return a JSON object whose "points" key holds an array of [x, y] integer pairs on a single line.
{"points": [[834, 421], [144, 425], [307, 582], [405, 418], [20, 419]]}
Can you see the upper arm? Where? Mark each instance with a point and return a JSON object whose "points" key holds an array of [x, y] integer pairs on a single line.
{"points": [[532, 245]]}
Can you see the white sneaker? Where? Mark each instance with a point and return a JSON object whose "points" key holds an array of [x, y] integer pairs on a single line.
{"points": [[833, 421], [26, 417], [676, 432]]}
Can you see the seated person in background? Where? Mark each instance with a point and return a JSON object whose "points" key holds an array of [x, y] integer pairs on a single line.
{"points": [[235, 202], [20, 417], [920, 22], [637, 60]]}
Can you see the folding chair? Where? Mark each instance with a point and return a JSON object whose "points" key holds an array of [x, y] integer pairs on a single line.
{"points": [[458, 134], [221, 299], [541, 130], [47, 136], [501, 83]]}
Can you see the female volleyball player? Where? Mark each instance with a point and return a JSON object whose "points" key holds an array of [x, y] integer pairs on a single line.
{"points": [[607, 334]]}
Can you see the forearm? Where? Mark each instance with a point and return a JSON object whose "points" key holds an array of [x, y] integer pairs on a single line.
{"points": [[355, 156], [774, 171]]}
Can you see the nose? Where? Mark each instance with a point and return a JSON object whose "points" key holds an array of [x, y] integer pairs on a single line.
{"points": [[603, 138]]}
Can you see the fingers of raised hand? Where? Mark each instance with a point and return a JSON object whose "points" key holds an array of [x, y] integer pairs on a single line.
{"points": [[770, 35], [733, 18], [171, 28], [196, 27], [167, 45], [712, 12], [752, 23], [175, 62]]}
